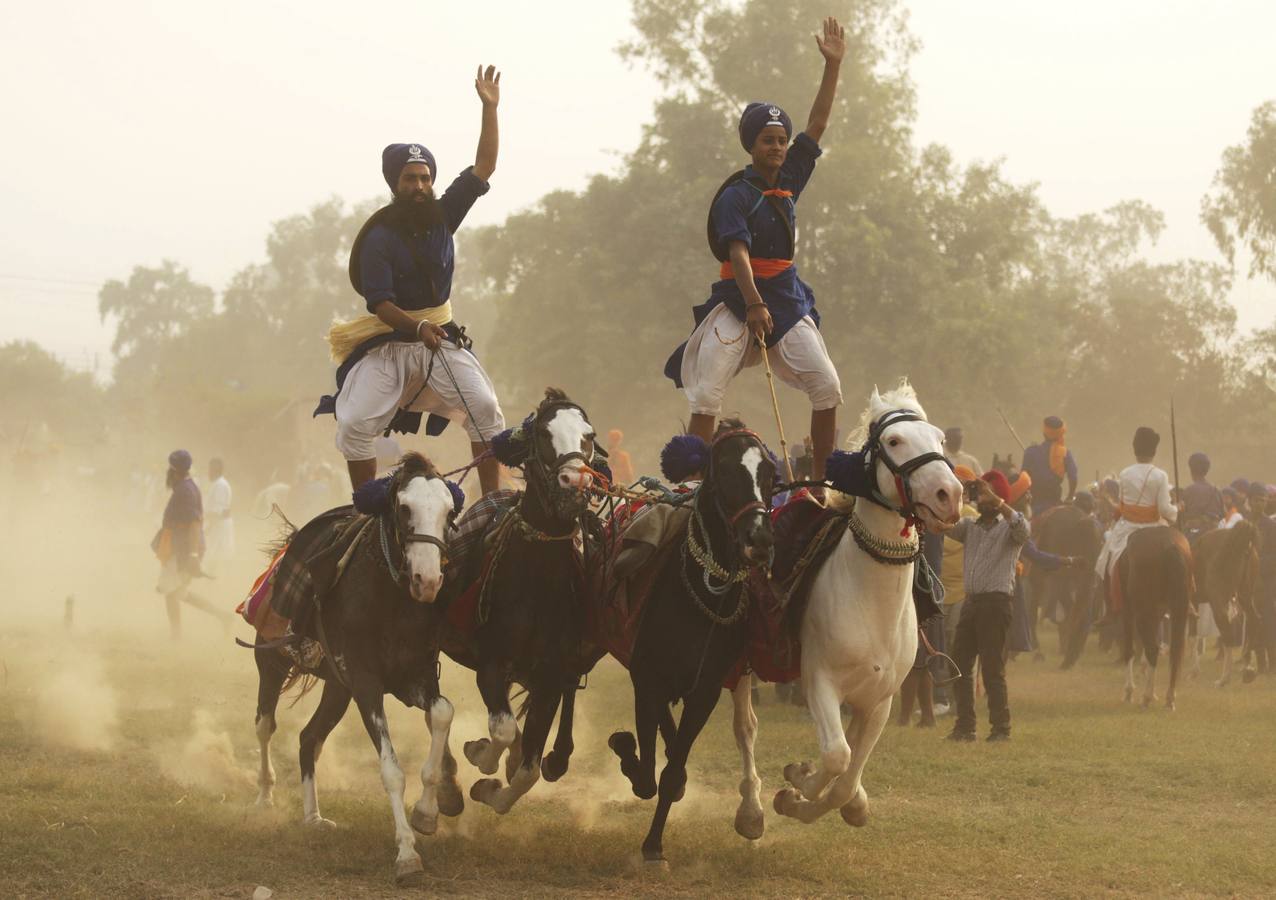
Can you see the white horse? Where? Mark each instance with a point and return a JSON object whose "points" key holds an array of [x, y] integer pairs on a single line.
{"points": [[859, 629]]}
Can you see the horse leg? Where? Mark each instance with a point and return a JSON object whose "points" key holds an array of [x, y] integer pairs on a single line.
{"points": [[1178, 625], [542, 704], [332, 706], [485, 753], [554, 766], [835, 754], [638, 758], [847, 793], [272, 672], [696, 709], [371, 702], [1151, 639], [749, 820], [425, 812]]}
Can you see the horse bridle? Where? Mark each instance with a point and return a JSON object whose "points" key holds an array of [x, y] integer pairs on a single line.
{"points": [[411, 537], [544, 470], [757, 506], [874, 451]]}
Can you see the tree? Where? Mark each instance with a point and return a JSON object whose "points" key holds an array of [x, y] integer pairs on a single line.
{"points": [[1241, 207]]}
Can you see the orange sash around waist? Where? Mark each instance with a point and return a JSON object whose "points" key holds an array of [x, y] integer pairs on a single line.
{"points": [[762, 268], [1140, 515]]}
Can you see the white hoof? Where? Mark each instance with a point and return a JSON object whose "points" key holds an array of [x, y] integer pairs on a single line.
{"points": [[409, 871], [319, 823]]}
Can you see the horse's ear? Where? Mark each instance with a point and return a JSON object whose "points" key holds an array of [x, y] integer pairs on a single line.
{"points": [[876, 399]]}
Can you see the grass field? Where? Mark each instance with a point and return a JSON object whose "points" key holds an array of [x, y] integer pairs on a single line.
{"points": [[128, 770]]}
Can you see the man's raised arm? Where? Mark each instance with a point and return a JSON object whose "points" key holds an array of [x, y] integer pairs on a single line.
{"points": [[832, 46], [488, 86]]}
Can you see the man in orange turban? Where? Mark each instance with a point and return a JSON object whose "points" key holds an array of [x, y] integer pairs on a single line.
{"points": [[1048, 464]]}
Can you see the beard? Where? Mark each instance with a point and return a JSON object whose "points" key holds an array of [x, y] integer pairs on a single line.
{"points": [[418, 209]]}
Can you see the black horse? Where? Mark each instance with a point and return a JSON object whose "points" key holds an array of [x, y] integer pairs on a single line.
{"points": [[1066, 530], [528, 624], [694, 628], [373, 579]]}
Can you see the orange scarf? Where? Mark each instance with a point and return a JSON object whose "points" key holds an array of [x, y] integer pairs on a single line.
{"points": [[1058, 452], [762, 268]]}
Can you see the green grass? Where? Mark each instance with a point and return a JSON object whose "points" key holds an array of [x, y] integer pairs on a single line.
{"points": [[1091, 796]]}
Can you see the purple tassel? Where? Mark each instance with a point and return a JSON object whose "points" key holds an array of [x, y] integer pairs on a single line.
{"points": [[684, 456], [513, 445], [458, 496], [373, 497], [848, 473]]}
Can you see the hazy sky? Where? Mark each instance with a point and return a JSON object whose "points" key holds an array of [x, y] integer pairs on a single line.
{"points": [[141, 131]]}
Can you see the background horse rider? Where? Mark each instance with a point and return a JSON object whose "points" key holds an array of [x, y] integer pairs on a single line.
{"points": [[751, 231], [402, 264], [1048, 464]]}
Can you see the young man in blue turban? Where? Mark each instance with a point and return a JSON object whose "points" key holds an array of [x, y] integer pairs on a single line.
{"points": [[759, 296], [408, 356]]}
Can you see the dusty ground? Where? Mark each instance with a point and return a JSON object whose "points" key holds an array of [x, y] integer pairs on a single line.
{"points": [[129, 767]]}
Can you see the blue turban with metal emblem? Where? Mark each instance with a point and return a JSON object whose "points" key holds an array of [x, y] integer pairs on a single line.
{"points": [[759, 115], [396, 156], [180, 460]]}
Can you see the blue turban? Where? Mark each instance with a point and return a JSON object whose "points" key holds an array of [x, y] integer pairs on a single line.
{"points": [[396, 156], [180, 460], [1199, 464], [759, 115]]}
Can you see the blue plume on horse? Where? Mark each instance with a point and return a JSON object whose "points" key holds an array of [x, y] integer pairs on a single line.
{"points": [[600, 466], [684, 456], [373, 497], [513, 445], [848, 472], [458, 496]]}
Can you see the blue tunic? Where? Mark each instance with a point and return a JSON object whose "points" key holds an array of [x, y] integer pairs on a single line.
{"points": [[389, 269], [787, 297], [1047, 487]]}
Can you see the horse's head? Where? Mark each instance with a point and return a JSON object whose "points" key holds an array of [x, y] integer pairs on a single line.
{"points": [[740, 478], [424, 506], [910, 470], [562, 453]]}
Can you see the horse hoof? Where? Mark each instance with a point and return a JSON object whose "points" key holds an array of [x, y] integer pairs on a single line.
{"points": [[794, 772], [554, 766], [423, 823], [854, 815], [483, 790], [265, 803], [451, 800], [654, 864], [623, 744], [409, 872], [476, 752], [750, 824], [1248, 676], [1169, 704], [319, 823], [785, 801]]}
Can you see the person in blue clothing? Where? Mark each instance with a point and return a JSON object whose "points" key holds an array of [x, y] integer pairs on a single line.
{"points": [[759, 296], [1048, 464], [408, 356]]}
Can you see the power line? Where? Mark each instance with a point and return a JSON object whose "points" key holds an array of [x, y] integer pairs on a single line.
{"points": [[46, 280]]}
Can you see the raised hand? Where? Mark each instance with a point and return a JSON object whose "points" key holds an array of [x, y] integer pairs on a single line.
{"points": [[832, 43], [488, 85]]}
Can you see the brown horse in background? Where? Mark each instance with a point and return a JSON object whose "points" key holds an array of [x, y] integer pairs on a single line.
{"points": [[1066, 530], [1155, 573], [1227, 570]]}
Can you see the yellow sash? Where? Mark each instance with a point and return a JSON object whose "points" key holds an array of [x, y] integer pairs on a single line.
{"points": [[343, 337]]}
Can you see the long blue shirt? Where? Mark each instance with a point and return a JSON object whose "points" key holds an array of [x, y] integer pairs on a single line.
{"points": [[738, 216], [386, 260], [1047, 487]]}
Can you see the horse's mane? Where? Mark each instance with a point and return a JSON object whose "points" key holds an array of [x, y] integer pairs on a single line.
{"points": [[552, 395], [901, 397], [412, 464]]}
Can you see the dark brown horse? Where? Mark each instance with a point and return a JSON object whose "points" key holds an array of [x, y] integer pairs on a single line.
{"points": [[1067, 530], [373, 615], [1227, 571], [694, 625], [1155, 573]]}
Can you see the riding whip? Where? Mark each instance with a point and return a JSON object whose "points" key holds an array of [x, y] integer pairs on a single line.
{"points": [[775, 405], [1014, 434]]}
